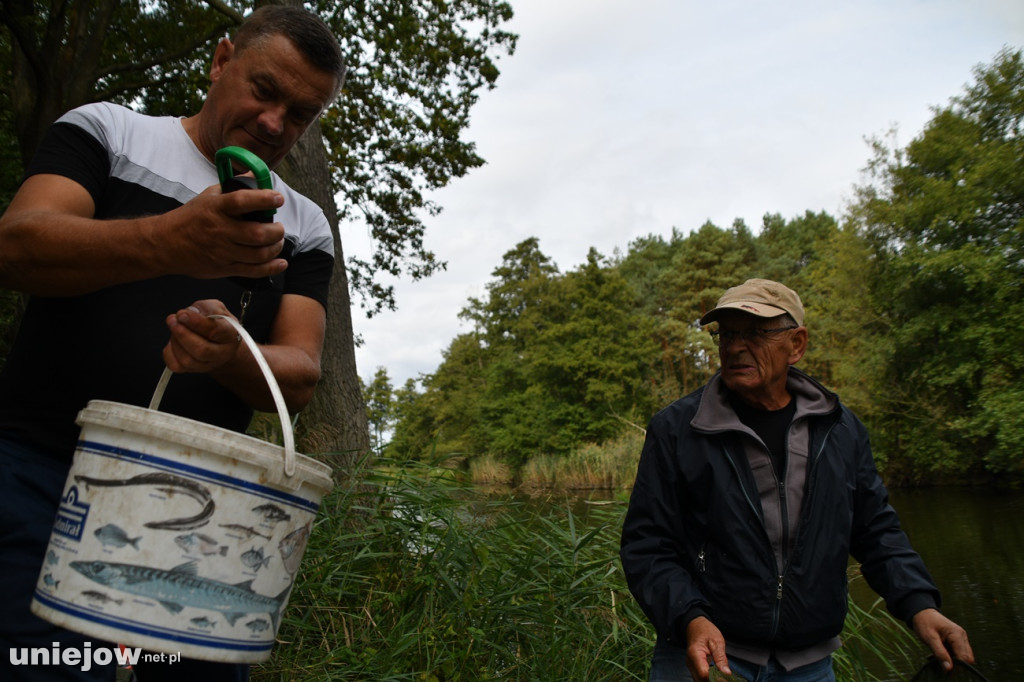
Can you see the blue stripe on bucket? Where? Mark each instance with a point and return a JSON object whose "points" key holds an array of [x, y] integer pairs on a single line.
{"points": [[197, 472], [148, 629]]}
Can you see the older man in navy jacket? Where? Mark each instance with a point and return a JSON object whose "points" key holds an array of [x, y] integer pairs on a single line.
{"points": [[750, 496]]}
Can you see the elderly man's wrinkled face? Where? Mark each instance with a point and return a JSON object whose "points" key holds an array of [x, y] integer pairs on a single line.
{"points": [[756, 353]]}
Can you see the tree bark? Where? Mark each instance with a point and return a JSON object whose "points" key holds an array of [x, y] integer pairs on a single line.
{"points": [[54, 71], [334, 425]]}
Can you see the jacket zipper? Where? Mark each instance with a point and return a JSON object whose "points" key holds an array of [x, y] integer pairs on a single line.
{"points": [[768, 540], [780, 481], [781, 578]]}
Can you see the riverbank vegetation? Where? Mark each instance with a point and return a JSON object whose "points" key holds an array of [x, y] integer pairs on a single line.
{"points": [[914, 304], [412, 575]]}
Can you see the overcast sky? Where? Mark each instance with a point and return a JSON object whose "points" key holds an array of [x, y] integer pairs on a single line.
{"points": [[616, 119]]}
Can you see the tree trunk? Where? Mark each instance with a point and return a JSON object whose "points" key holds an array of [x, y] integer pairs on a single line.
{"points": [[53, 72], [335, 421]]}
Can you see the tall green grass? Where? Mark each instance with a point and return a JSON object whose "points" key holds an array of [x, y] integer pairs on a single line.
{"points": [[876, 646], [413, 576]]}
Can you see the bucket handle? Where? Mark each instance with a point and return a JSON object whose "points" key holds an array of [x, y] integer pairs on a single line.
{"points": [[275, 391]]}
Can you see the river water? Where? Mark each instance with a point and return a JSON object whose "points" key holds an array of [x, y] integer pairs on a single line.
{"points": [[972, 541]]}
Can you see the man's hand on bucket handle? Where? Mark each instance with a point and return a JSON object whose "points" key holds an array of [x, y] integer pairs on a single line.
{"points": [[199, 343]]}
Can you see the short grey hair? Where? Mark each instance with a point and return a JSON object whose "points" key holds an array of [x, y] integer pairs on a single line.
{"points": [[307, 31]]}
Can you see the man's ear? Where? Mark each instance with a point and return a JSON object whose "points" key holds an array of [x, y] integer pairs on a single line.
{"points": [[798, 345], [221, 56]]}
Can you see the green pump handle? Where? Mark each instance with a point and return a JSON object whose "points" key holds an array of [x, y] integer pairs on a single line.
{"points": [[226, 159]]}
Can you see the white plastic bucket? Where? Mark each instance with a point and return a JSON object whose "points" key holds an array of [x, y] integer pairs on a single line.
{"points": [[177, 536]]}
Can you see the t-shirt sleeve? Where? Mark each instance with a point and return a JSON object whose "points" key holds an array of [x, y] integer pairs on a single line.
{"points": [[309, 274], [70, 151]]}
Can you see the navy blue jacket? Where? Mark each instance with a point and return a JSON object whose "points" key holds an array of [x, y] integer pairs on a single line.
{"points": [[694, 538]]}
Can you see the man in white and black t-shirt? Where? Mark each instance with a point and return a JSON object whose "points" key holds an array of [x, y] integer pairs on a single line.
{"points": [[126, 245]]}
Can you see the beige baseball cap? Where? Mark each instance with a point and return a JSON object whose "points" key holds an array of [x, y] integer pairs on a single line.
{"points": [[760, 297]]}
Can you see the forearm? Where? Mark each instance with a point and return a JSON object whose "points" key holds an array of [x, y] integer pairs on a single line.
{"points": [[50, 254], [295, 372], [52, 244], [205, 339]]}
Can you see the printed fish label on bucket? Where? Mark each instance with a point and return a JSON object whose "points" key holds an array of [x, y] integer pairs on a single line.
{"points": [[172, 550]]}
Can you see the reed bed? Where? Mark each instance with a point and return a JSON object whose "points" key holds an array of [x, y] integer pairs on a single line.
{"points": [[414, 576], [608, 466]]}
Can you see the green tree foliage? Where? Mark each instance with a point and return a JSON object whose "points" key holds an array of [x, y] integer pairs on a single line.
{"points": [[846, 348], [792, 252], [945, 218], [10, 171], [380, 407], [590, 357], [152, 55], [703, 265], [560, 360], [416, 69], [10, 175], [409, 418], [787, 248], [555, 361]]}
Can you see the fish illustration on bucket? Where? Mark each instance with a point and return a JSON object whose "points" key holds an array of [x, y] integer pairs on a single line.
{"points": [[178, 536]]}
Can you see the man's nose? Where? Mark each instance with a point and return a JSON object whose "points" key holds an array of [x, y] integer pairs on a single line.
{"points": [[272, 120]]}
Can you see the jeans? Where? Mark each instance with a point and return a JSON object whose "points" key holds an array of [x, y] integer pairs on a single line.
{"points": [[773, 672], [669, 665], [31, 485], [30, 489]]}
